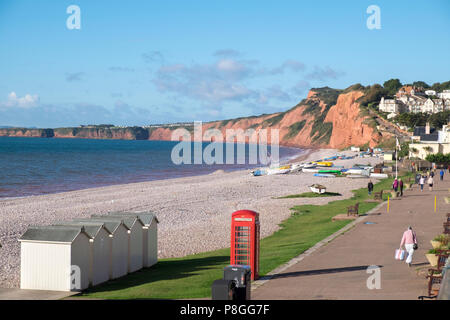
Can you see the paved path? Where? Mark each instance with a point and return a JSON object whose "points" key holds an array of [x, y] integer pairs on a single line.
{"points": [[19, 294], [338, 270]]}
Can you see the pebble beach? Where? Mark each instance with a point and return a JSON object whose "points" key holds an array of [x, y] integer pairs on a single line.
{"points": [[194, 212]]}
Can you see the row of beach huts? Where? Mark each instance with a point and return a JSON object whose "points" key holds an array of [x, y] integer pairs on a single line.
{"points": [[75, 255]]}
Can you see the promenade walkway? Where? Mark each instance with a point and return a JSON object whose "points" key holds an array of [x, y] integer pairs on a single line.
{"points": [[338, 270]]}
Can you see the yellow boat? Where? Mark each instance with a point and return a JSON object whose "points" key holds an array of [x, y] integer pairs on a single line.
{"points": [[323, 163]]}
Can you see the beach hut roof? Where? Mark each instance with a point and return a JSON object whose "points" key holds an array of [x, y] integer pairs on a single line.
{"points": [[146, 217], [92, 228], [63, 234], [128, 221], [110, 225]]}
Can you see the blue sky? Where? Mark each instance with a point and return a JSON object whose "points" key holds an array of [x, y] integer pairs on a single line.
{"points": [[144, 62]]}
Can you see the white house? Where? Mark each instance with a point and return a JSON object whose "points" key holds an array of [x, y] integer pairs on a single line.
{"points": [[150, 236], [391, 106], [135, 239], [54, 258], [445, 94], [100, 249], [119, 246]]}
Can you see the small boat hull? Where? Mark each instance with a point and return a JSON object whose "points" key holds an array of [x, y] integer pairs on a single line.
{"points": [[318, 188], [324, 175]]}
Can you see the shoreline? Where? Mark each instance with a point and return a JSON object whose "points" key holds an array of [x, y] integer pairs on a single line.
{"points": [[299, 154], [194, 212]]}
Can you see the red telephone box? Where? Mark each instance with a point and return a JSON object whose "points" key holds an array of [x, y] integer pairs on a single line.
{"points": [[245, 240]]}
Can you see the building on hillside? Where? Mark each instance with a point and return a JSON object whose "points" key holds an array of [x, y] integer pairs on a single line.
{"points": [[427, 140], [445, 94], [430, 92], [391, 106], [409, 90]]}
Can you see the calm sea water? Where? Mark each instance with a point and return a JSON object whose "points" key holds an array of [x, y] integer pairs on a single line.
{"points": [[33, 166]]}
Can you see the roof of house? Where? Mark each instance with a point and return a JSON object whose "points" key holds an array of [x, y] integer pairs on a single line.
{"points": [[92, 228], [420, 132], [63, 234]]}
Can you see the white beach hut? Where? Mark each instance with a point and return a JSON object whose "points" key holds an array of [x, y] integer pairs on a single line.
{"points": [[150, 236], [135, 239], [119, 246], [54, 258], [100, 249]]}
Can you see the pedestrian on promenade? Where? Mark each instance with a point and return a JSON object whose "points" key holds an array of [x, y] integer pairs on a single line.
{"points": [[441, 174], [421, 182], [432, 173], [395, 185], [370, 187], [449, 168], [409, 240], [430, 183], [400, 185]]}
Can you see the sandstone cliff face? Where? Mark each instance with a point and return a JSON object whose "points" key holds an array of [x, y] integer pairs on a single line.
{"points": [[323, 119], [24, 132], [349, 127], [327, 118]]}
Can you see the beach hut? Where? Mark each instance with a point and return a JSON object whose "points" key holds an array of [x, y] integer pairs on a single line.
{"points": [[119, 246], [135, 239], [100, 249], [54, 258], [150, 235]]}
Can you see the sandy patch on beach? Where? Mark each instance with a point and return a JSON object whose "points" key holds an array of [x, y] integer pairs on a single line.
{"points": [[194, 212]]}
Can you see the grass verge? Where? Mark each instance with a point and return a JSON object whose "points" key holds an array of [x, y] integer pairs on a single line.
{"points": [[192, 276], [311, 195]]}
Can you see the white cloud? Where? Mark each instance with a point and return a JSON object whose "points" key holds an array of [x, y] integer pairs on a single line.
{"points": [[27, 101]]}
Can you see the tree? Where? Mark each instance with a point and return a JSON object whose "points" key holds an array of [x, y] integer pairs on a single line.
{"points": [[404, 149], [439, 87], [421, 84], [372, 94], [392, 86]]}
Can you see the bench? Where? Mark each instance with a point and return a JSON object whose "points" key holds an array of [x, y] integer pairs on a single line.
{"points": [[353, 210], [378, 195], [446, 227], [435, 274]]}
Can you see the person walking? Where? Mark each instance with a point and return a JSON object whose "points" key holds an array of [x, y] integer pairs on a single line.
{"points": [[409, 240], [421, 182], [395, 185], [430, 183], [400, 185], [432, 173], [370, 187], [441, 174]]}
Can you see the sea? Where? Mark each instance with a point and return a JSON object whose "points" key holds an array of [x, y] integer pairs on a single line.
{"points": [[36, 166]]}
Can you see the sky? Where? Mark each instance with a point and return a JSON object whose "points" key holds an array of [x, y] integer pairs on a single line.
{"points": [[150, 62]]}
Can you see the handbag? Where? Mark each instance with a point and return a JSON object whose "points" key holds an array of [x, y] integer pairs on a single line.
{"points": [[399, 254], [415, 246]]}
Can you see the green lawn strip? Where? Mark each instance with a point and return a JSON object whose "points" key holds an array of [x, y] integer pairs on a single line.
{"points": [[192, 276], [311, 195]]}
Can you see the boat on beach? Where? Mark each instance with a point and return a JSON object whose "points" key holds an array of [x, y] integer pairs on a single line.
{"points": [[318, 188], [310, 170], [324, 175], [323, 163], [378, 175]]}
